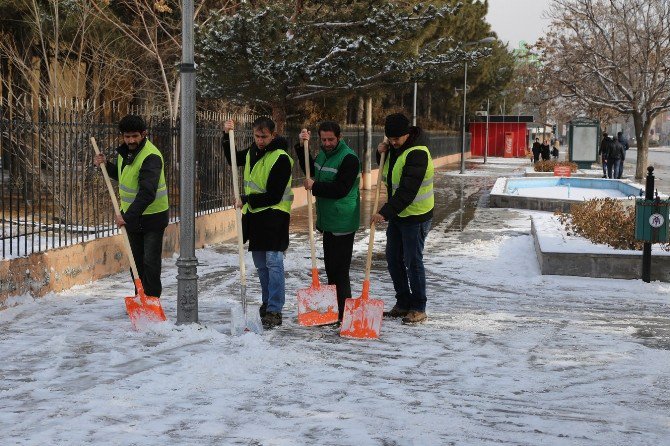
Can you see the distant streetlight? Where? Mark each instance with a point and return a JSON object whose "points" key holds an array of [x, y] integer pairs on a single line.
{"points": [[465, 94]]}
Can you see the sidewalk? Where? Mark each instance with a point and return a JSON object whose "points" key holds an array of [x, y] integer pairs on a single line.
{"points": [[506, 356]]}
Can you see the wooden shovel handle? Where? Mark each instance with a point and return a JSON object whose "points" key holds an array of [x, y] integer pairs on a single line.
{"points": [[368, 262], [117, 211], [238, 212], [310, 216]]}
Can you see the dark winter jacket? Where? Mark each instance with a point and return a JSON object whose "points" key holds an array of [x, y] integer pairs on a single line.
{"points": [[411, 179], [266, 230], [537, 147], [606, 146], [148, 184], [545, 151], [616, 151], [624, 142]]}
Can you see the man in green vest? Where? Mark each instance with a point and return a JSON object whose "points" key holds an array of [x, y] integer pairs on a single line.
{"points": [[335, 184], [140, 171], [266, 210], [408, 175]]}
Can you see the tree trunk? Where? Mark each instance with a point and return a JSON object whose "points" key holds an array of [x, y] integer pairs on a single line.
{"points": [[361, 110], [429, 104], [642, 141], [279, 117]]}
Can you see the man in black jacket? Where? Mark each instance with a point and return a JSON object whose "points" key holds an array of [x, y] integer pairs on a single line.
{"points": [[266, 210], [144, 203], [408, 174], [624, 143], [603, 152], [537, 148]]}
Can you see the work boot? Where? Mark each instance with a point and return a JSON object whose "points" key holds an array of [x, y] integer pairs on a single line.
{"points": [[271, 320], [263, 309], [396, 312], [414, 317]]}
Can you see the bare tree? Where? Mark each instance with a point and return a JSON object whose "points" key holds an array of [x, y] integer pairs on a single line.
{"points": [[613, 54]]}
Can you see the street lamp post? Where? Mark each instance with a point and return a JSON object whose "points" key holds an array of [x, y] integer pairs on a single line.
{"points": [[414, 106], [486, 146], [465, 94], [187, 263]]}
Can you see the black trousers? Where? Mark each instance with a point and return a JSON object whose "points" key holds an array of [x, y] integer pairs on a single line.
{"points": [[337, 251], [147, 247]]}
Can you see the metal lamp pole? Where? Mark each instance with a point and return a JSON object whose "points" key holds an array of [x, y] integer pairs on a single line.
{"points": [[187, 277], [486, 146], [465, 94], [414, 107]]}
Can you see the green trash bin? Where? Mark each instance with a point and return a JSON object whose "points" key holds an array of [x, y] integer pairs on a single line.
{"points": [[651, 220]]}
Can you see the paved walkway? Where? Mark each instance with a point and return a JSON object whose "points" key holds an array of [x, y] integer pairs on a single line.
{"points": [[507, 355]]}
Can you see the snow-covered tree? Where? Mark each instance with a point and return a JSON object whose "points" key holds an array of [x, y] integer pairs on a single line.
{"points": [[276, 54], [613, 54]]}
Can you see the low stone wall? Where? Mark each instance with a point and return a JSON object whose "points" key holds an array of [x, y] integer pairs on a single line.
{"points": [[59, 269], [612, 266]]}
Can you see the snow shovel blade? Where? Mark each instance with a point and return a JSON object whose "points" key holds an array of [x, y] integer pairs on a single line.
{"points": [[317, 305], [244, 317], [144, 309], [363, 316]]}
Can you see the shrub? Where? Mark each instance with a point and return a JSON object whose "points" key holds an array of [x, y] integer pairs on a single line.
{"points": [[604, 220], [548, 166]]}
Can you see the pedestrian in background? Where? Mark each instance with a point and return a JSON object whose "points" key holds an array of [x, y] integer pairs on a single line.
{"points": [[603, 151], [624, 142]]}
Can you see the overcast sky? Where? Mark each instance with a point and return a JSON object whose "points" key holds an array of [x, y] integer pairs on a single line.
{"points": [[515, 20]]}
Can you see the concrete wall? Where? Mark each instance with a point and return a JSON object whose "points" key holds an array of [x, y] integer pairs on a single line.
{"points": [[59, 269]]}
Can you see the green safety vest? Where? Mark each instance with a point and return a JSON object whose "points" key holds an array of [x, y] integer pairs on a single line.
{"points": [[256, 180], [342, 215], [424, 200], [129, 179]]}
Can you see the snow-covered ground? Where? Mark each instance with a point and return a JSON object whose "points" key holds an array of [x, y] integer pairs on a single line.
{"points": [[507, 356]]}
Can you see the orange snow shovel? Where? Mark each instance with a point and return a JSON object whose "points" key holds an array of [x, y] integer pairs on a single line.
{"points": [[363, 316], [241, 323], [141, 308], [317, 305]]}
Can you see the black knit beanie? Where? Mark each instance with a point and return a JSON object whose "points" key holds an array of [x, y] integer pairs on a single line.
{"points": [[396, 125]]}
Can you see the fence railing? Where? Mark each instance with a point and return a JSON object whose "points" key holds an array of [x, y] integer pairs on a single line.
{"points": [[51, 195]]}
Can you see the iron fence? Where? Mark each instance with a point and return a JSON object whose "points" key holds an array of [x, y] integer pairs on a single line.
{"points": [[51, 195]]}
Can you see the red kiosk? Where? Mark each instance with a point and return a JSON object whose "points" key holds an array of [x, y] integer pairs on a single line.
{"points": [[508, 136]]}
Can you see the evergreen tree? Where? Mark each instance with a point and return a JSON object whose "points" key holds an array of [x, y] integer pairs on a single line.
{"points": [[276, 54]]}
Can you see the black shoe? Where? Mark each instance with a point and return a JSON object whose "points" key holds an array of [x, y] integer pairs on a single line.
{"points": [[414, 317], [271, 320], [263, 309], [396, 312]]}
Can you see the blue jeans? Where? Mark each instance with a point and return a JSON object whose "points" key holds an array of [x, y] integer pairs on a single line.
{"points": [[613, 167], [404, 257], [270, 267]]}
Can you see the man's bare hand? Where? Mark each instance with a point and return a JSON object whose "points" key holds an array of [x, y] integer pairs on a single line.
{"points": [[304, 135], [376, 219], [99, 159]]}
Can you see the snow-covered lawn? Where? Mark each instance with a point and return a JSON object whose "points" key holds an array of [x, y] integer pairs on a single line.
{"points": [[507, 356]]}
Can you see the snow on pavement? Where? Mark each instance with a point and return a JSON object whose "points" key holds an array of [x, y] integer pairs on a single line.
{"points": [[507, 356]]}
